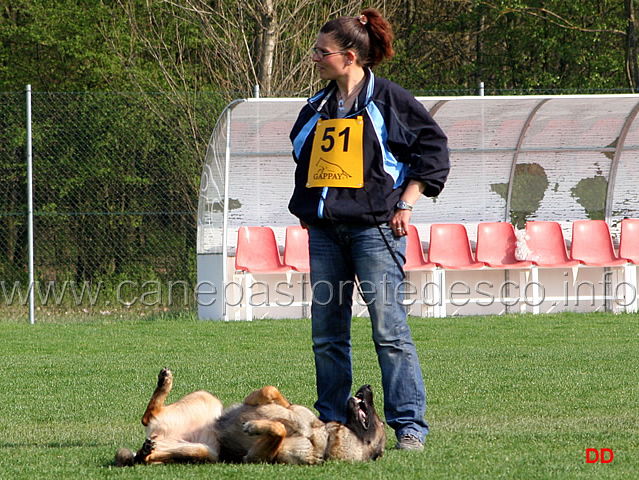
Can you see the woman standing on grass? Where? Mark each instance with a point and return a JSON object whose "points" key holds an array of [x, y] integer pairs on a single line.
{"points": [[366, 150]]}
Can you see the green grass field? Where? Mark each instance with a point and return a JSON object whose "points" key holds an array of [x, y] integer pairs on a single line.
{"points": [[509, 396]]}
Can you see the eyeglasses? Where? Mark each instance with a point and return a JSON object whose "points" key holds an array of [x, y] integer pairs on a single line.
{"points": [[323, 54]]}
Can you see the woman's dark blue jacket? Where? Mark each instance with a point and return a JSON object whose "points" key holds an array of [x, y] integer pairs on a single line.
{"points": [[401, 142]]}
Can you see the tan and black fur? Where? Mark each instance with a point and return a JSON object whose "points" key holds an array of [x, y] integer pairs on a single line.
{"points": [[179, 432], [266, 427]]}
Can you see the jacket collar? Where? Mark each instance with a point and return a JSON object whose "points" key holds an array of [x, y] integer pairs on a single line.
{"points": [[319, 101]]}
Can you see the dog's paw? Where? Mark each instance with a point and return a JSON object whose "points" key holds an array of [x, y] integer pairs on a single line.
{"points": [[165, 377], [147, 447], [250, 428]]}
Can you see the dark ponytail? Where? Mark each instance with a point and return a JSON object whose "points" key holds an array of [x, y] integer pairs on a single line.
{"points": [[369, 35]]}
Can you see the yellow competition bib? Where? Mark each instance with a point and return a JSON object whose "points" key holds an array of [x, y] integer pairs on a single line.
{"points": [[337, 158]]}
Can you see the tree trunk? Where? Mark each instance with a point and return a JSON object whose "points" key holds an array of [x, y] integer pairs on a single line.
{"points": [[632, 50], [267, 51]]}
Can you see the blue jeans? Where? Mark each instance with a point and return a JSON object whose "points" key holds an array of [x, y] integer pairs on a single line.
{"points": [[338, 254]]}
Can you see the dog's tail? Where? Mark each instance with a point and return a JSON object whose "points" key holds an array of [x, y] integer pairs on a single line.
{"points": [[124, 458]]}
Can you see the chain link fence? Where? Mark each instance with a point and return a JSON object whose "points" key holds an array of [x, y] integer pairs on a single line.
{"points": [[115, 181], [115, 189]]}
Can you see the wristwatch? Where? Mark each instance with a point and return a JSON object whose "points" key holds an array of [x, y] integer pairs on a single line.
{"points": [[402, 205]]}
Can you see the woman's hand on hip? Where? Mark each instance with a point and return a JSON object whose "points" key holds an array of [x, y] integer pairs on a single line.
{"points": [[400, 221]]}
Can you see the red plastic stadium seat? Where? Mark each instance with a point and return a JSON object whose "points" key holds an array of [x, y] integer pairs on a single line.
{"points": [[417, 264], [496, 244], [296, 256], [548, 246], [629, 243], [592, 244], [629, 250], [414, 253], [257, 251], [450, 247], [296, 249]]}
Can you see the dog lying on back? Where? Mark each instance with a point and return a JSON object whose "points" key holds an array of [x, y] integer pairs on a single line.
{"points": [[265, 427]]}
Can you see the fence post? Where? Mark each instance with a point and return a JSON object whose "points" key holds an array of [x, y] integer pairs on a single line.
{"points": [[30, 209]]}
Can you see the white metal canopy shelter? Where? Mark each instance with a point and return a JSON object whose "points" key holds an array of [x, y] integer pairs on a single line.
{"points": [[515, 159]]}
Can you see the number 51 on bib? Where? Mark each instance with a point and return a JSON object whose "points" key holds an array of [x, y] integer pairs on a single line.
{"points": [[337, 157]]}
